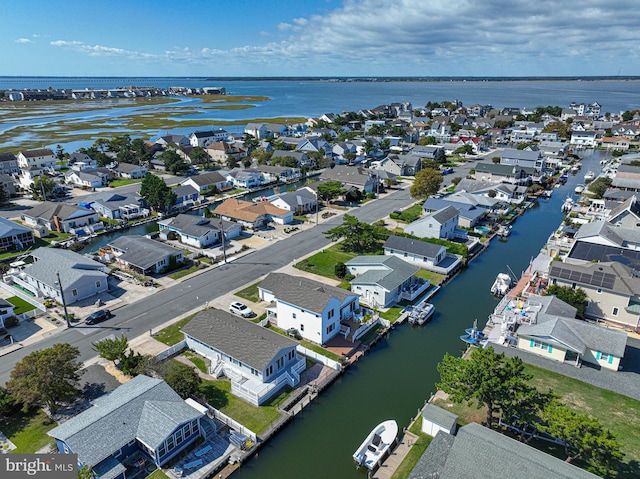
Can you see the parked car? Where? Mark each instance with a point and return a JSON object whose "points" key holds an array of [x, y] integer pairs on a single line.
{"points": [[240, 309], [98, 316]]}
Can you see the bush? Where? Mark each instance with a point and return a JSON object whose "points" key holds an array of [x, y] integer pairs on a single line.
{"points": [[340, 270], [349, 277], [371, 195], [11, 321]]}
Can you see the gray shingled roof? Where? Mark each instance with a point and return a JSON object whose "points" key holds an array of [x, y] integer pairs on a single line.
{"points": [[141, 251], [184, 190], [439, 416], [196, 226], [482, 453], [48, 209], [9, 228], [243, 340], [445, 214], [72, 266], [143, 408], [598, 275], [554, 306], [209, 178], [422, 248], [302, 292], [388, 272]]}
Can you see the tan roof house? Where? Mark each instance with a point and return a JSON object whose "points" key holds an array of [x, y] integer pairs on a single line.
{"points": [[253, 215]]}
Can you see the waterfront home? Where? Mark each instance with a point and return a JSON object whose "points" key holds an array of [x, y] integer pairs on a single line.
{"points": [[116, 206], [468, 215], [358, 178], [253, 215], [612, 288], [143, 255], [400, 165], [82, 277], [383, 280], [221, 151], [62, 218], [243, 178], [587, 139], [300, 156], [43, 158], [8, 184], [257, 361], [628, 131], [211, 180], [482, 453], [299, 202], [14, 236], [87, 178], [205, 138], [142, 418], [130, 171], [439, 224], [313, 144], [627, 176], [198, 231], [618, 143], [173, 140], [277, 173], [312, 308], [523, 159], [81, 161], [498, 173], [186, 196], [9, 164], [429, 256], [342, 148], [574, 341]]}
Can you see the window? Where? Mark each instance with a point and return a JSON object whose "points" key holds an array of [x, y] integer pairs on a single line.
{"points": [[74, 292], [604, 357], [534, 343], [599, 290], [331, 327], [294, 315], [301, 327], [331, 313], [615, 311], [97, 284], [171, 443], [162, 451], [280, 363], [269, 370]]}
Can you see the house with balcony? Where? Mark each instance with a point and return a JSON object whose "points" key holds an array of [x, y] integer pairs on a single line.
{"points": [[130, 171], [87, 178], [198, 231], [468, 215], [140, 422], [81, 277], [203, 139], [9, 164], [439, 224], [43, 158], [429, 256], [257, 361], [221, 151], [62, 218], [212, 180], [143, 255], [301, 201], [312, 308], [523, 159], [116, 206], [586, 139], [384, 280], [14, 236]]}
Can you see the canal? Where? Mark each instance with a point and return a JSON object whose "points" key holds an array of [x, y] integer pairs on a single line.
{"points": [[398, 374]]}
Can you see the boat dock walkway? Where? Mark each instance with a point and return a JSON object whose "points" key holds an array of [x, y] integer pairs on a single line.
{"points": [[392, 462]]}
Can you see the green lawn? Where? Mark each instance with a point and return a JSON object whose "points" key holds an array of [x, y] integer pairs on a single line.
{"points": [[391, 314], [370, 335], [21, 306], [197, 360], [434, 278], [416, 451], [123, 182], [324, 263], [309, 345], [257, 419], [28, 431], [183, 272], [171, 334], [157, 474], [411, 214], [250, 293]]}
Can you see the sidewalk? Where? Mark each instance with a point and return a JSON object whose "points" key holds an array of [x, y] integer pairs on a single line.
{"points": [[393, 461]]}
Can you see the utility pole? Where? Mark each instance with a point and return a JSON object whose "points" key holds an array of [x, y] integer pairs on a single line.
{"points": [[64, 303], [224, 246]]}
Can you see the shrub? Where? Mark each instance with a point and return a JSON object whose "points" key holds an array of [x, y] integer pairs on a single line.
{"points": [[11, 321], [340, 270], [349, 277]]}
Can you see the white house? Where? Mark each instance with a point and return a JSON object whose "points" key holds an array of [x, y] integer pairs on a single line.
{"points": [[429, 256], [584, 138], [198, 231], [144, 255], [130, 171], [87, 178], [62, 217], [42, 158], [259, 362], [300, 201], [205, 138], [314, 309], [207, 181], [441, 224]]}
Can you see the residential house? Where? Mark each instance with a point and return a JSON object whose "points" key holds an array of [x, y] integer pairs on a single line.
{"points": [[455, 456], [221, 151], [9, 164], [130, 171], [277, 173], [81, 161], [43, 158], [468, 215], [314, 309], [143, 416], [568, 339], [253, 215], [28, 176], [62, 218], [498, 173], [301, 157], [257, 130], [402, 165], [313, 144], [612, 288], [440, 224], [143, 255], [171, 140], [628, 131], [358, 178], [343, 148], [198, 231], [205, 138], [259, 362], [243, 178], [186, 196], [8, 184], [627, 177], [301, 201], [14, 236], [55, 269], [384, 280], [203, 182], [429, 256], [618, 143], [87, 178], [586, 139], [523, 159], [429, 152], [116, 206]]}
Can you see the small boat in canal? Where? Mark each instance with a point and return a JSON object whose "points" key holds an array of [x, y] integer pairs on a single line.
{"points": [[501, 285], [504, 231], [579, 189], [376, 445], [421, 315], [590, 176], [473, 335], [568, 204]]}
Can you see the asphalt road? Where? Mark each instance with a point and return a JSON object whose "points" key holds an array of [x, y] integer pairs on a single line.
{"points": [[138, 318]]}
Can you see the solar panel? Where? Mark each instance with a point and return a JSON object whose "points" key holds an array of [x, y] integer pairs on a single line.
{"points": [[597, 278]]}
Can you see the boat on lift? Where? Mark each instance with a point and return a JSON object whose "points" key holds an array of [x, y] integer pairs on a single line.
{"points": [[590, 176], [376, 445], [473, 335], [504, 231], [501, 285], [568, 205]]}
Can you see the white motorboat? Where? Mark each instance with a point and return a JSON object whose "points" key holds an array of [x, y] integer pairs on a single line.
{"points": [[504, 231], [590, 176], [579, 189], [568, 204], [501, 285], [376, 445], [422, 314]]}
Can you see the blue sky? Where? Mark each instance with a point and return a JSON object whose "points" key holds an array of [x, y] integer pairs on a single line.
{"points": [[319, 38]]}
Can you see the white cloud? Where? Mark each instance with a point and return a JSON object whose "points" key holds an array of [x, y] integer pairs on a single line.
{"points": [[103, 51], [23, 40]]}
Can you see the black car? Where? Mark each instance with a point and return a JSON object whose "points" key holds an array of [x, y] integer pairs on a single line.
{"points": [[98, 316]]}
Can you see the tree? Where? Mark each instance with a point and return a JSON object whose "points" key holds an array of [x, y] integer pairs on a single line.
{"points": [[134, 363], [3, 196], [427, 140], [558, 127], [358, 236], [112, 349], [583, 437], [389, 182], [86, 472], [575, 297], [173, 162], [488, 379], [156, 193], [287, 161], [330, 190], [426, 183], [340, 270], [491, 193], [200, 157], [231, 162], [46, 377], [600, 186], [495, 160], [250, 143], [456, 180], [464, 150], [60, 154], [353, 195], [8, 405], [42, 187], [183, 379]]}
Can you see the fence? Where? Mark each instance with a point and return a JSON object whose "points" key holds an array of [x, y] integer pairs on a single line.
{"points": [[29, 299], [172, 350], [319, 357], [231, 423]]}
